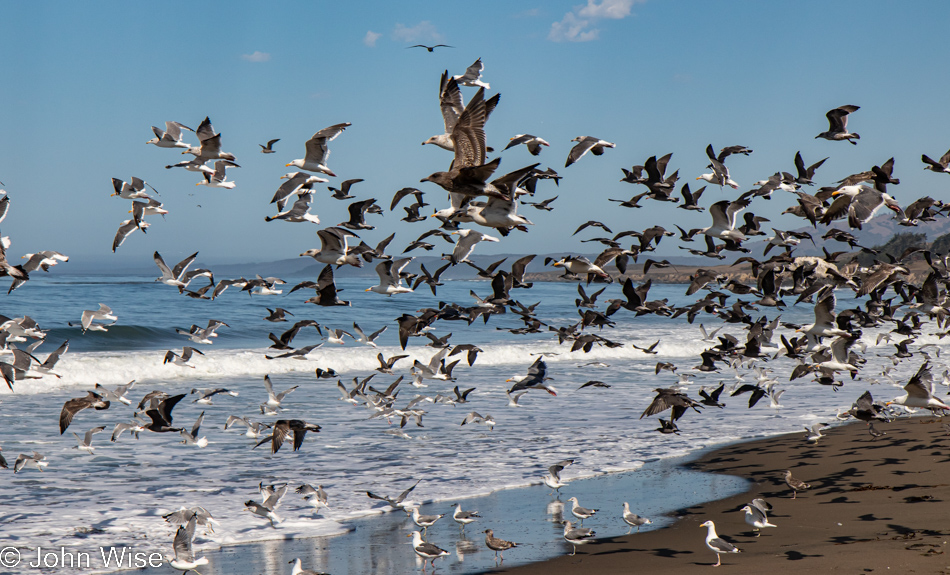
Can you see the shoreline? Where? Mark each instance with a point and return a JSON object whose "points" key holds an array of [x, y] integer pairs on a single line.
{"points": [[377, 542], [875, 505]]}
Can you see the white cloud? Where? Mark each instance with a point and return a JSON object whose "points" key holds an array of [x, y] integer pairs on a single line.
{"points": [[257, 56], [370, 38], [424, 30], [578, 25], [572, 29], [612, 9]]}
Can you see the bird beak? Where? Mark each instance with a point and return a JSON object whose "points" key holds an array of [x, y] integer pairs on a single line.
{"points": [[287, 165], [367, 289], [198, 184], [698, 178], [835, 193], [453, 233], [556, 264]]}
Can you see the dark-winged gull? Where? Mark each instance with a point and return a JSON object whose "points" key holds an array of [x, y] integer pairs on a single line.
{"points": [[586, 144], [533, 143], [427, 551], [716, 544]]}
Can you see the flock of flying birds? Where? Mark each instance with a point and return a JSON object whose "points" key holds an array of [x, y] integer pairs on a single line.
{"points": [[825, 350]]}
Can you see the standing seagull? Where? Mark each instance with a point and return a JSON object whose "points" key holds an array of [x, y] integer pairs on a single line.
{"points": [[184, 554], [576, 535], [838, 125], [497, 545], [424, 521], [581, 513], [716, 544], [632, 519], [586, 144], [796, 485], [463, 518], [427, 551]]}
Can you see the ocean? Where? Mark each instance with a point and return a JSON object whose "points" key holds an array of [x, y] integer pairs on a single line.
{"points": [[117, 496]]}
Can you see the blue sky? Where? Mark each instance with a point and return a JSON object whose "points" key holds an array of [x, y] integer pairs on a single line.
{"points": [[83, 82]]}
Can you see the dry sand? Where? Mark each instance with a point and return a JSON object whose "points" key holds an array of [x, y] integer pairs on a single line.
{"points": [[875, 506]]}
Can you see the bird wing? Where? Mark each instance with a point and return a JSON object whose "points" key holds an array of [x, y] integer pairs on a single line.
{"points": [[718, 213], [450, 101], [825, 310], [721, 544], [579, 149], [166, 272], [183, 539], [469, 133], [181, 266], [386, 276]]}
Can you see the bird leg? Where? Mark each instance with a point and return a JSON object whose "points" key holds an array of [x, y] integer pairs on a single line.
{"points": [[718, 560]]}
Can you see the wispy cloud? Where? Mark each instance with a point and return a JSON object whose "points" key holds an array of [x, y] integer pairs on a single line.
{"points": [[257, 56], [579, 24], [370, 38], [423, 31]]}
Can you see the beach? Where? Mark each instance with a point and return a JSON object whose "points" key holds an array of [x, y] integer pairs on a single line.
{"points": [[875, 505]]}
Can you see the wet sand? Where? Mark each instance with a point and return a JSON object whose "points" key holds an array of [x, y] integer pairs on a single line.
{"points": [[875, 505]]}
